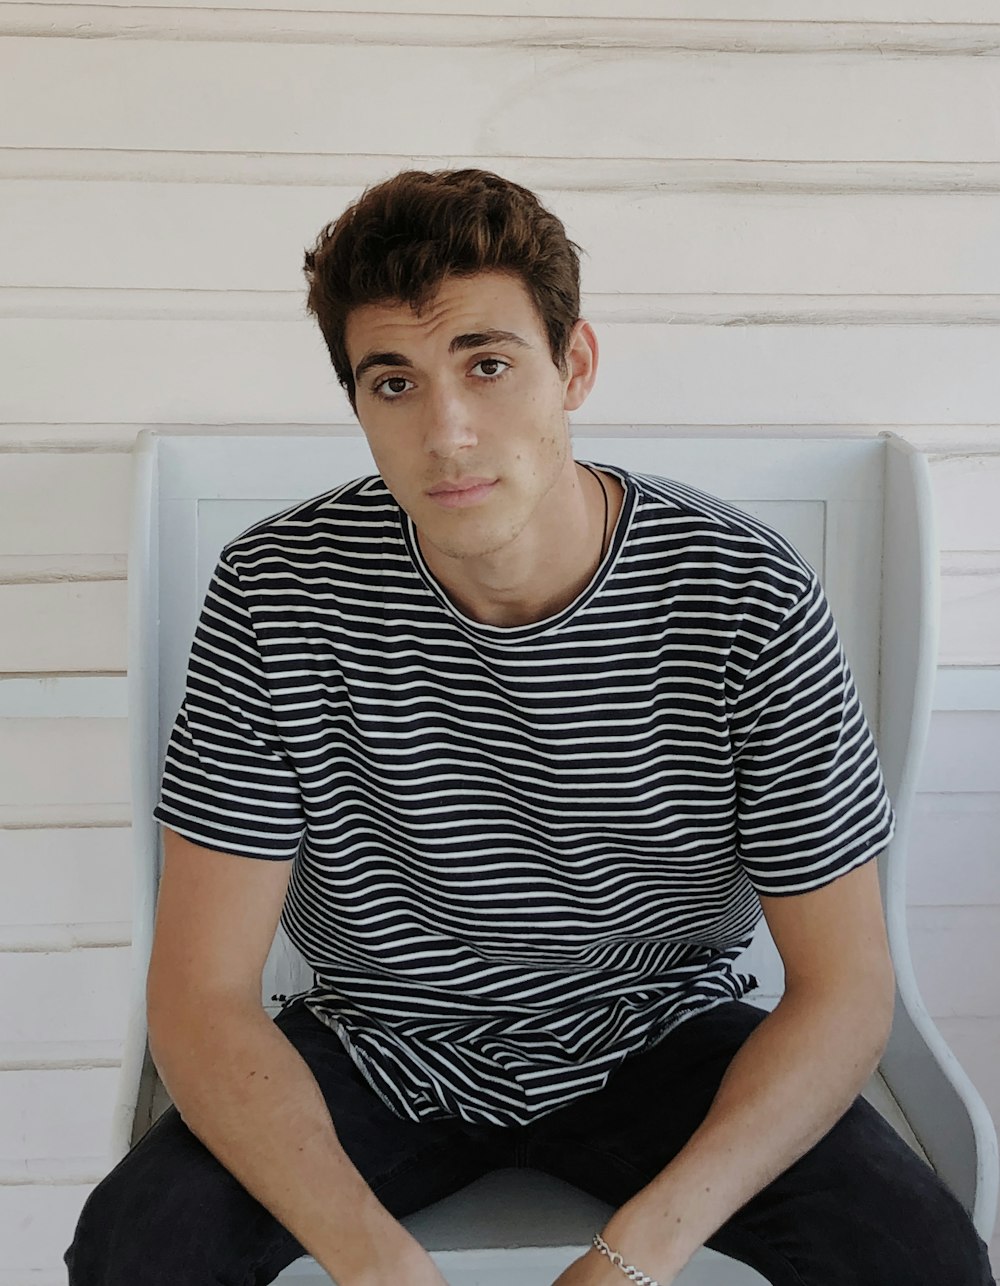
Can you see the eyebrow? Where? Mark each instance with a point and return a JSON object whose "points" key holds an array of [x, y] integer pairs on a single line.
{"points": [[474, 339]]}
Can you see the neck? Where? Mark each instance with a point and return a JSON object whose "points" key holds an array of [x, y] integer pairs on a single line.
{"points": [[539, 573]]}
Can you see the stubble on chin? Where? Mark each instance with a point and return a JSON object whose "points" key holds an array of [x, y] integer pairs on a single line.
{"points": [[454, 547]]}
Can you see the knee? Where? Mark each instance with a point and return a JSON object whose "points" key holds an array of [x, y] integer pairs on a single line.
{"points": [[912, 1227], [110, 1244], [158, 1218], [927, 1228], [945, 1246], [862, 1209]]}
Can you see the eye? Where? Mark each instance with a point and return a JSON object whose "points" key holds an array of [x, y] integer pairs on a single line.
{"points": [[377, 388], [493, 361]]}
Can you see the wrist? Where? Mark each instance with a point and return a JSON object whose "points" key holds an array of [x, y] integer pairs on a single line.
{"points": [[409, 1263], [371, 1248], [651, 1246], [620, 1267]]}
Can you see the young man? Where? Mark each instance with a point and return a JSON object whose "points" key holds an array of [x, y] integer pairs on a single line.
{"points": [[522, 746]]}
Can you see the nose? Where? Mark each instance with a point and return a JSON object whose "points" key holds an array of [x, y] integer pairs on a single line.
{"points": [[448, 427]]}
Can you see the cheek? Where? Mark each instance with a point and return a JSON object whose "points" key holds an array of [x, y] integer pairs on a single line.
{"points": [[389, 451]]}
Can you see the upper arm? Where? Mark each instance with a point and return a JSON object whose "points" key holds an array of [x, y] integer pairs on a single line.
{"points": [[216, 917], [811, 801], [834, 937]]}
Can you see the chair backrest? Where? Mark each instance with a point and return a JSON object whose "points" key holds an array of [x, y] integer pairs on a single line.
{"points": [[857, 509]]}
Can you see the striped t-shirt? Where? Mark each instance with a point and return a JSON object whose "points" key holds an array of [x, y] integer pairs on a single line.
{"points": [[521, 853]]}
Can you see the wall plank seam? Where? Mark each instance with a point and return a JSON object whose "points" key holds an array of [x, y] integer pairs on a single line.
{"points": [[548, 174], [132, 304], [661, 35]]}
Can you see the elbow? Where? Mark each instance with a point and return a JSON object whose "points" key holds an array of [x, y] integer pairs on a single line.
{"points": [[872, 999], [873, 1002], [860, 1006], [878, 991], [168, 1024], [169, 1029], [886, 1009]]}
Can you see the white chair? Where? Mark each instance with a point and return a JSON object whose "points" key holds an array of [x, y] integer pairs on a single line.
{"points": [[858, 510]]}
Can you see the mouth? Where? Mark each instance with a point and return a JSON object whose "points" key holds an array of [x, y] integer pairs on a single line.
{"points": [[470, 491]]}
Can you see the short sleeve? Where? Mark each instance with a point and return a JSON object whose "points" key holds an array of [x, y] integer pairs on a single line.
{"points": [[811, 800], [228, 783]]}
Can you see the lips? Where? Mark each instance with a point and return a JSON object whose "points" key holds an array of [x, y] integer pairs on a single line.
{"points": [[464, 484], [467, 493]]}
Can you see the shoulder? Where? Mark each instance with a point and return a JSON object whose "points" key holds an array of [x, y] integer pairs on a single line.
{"points": [[314, 526], [693, 529]]}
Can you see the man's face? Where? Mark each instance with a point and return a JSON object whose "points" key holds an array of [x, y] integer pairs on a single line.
{"points": [[444, 404]]}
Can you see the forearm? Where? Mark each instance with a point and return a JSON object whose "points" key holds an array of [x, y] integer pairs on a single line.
{"points": [[248, 1095], [789, 1084]]}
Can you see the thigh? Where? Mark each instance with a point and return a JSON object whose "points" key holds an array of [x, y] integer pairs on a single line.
{"points": [[407, 1164], [612, 1142], [859, 1209], [169, 1211]]}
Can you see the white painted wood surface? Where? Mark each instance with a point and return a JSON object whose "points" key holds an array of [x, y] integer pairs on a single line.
{"points": [[784, 229], [74, 875], [718, 242], [779, 368], [814, 105]]}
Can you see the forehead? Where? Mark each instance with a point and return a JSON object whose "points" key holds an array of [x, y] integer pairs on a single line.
{"points": [[488, 300]]}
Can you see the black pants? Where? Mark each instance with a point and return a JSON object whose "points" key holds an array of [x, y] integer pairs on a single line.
{"points": [[859, 1209]]}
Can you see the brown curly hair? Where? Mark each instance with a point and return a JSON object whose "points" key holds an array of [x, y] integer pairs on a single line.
{"points": [[402, 237]]}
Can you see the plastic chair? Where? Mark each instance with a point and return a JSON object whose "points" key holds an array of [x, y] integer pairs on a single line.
{"points": [[859, 510]]}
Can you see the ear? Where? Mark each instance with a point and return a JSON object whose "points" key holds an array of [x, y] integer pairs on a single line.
{"points": [[581, 358]]}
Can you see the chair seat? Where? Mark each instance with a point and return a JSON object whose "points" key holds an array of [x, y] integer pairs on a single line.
{"points": [[525, 1226], [513, 1199]]}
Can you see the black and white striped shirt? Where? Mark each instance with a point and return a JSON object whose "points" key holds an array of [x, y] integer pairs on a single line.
{"points": [[522, 853]]}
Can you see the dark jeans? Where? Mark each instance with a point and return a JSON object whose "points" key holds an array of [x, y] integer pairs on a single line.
{"points": [[859, 1209]]}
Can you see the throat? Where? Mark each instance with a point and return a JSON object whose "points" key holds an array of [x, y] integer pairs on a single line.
{"points": [[519, 608], [521, 585]]}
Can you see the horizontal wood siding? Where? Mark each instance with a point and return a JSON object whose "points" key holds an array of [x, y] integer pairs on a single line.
{"points": [[254, 368], [230, 236], [319, 97]]}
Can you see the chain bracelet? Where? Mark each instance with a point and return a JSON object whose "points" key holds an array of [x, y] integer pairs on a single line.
{"points": [[619, 1262]]}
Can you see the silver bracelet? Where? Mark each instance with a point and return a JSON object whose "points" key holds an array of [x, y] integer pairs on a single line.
{"points": [[619, 1262]]}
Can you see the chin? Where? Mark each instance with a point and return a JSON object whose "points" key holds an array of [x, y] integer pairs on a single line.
{"points": [[470, 544], [464, 549]]}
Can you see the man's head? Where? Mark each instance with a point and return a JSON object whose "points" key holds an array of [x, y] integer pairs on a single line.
{"points": [[400, 239], [449, 304]]}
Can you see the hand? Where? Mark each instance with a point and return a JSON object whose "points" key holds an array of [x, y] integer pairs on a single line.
{"points": [[595, 1269]]}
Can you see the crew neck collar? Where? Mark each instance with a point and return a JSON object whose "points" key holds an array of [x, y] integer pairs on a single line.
{"points": [[517, 633]]}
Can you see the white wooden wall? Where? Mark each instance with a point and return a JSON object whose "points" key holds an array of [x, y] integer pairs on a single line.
{"points": [[790, 224]]}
